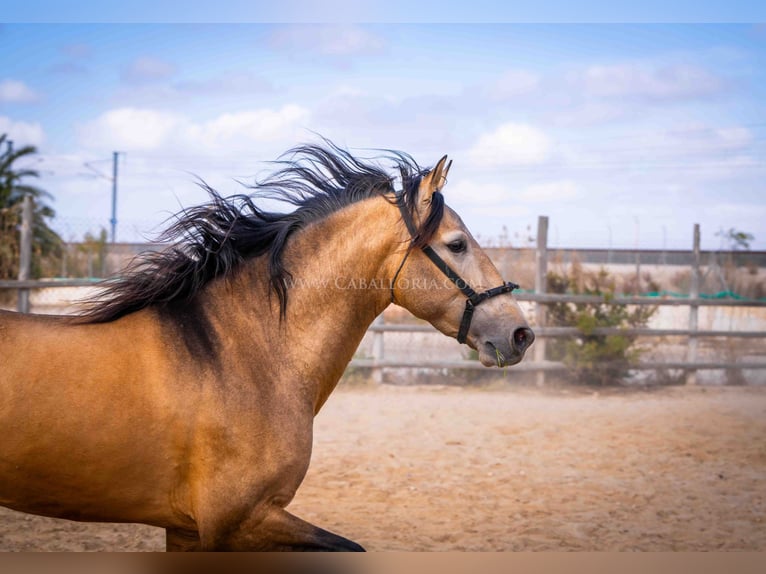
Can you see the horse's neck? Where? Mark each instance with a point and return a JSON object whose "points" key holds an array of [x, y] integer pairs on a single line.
{"points": [[340, 270]]}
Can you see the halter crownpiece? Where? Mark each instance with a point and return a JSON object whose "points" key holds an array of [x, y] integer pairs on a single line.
{"points": [[473, 299]]}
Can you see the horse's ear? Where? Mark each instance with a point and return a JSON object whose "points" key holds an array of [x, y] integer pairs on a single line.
{"points": [[434, 180]]}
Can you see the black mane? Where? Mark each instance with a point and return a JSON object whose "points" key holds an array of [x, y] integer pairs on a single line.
{"points": [[211, 240]]}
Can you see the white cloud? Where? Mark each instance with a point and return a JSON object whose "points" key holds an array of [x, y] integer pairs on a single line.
{"points": [[328, 40], [513, 83], [132, 128], [495, 212], [698, 149], [22, 133], [147, 130], [225, 83], [15, 91], [469, 192], [482, 203], [474, 193], [77, 50], [643, 81], [147, 69], [511, 144], [229, 85], [734, 137], [253, 125], [591, 112], [552, 191]]}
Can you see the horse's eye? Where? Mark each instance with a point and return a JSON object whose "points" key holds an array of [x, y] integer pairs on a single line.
{"points": [[457, 246]]}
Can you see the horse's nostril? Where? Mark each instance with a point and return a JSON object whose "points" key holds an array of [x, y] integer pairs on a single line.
{"points": [[522, 338]]}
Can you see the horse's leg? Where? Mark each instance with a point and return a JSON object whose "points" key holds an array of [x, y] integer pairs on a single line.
{"points": [[177, 540], [279, 530]]}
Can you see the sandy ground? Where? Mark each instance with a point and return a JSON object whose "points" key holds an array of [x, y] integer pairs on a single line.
{"points": [[444, 468]]}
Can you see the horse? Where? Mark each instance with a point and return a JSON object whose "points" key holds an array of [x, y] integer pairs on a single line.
{"points": [[183, 395]]}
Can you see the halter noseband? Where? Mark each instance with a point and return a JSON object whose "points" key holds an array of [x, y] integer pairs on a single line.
{"points": [[473, 299]]}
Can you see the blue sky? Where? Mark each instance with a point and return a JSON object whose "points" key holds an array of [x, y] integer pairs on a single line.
{"points": [[622, 134]]}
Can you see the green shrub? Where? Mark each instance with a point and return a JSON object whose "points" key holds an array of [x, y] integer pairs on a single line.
{"points": [[594, 359]]}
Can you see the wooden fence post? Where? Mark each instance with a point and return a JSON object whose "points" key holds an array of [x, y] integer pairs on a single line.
{"points": [[541, 275], [694, 293], [25, 253], [378, 352]]}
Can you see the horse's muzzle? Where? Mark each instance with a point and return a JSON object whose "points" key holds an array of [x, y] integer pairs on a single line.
{"points": [[506, 351]]}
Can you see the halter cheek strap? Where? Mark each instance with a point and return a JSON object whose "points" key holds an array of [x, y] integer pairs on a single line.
{"points": [[473, 299], [399, 270]]}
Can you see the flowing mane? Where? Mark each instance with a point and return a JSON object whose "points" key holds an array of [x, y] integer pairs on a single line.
{"points": [[211, 240]]}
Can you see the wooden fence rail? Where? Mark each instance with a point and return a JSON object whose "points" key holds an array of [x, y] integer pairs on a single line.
{"points": [[540, 298], [651, 301], [379, 361], [46, 283], [543, 366], [571, 331]]}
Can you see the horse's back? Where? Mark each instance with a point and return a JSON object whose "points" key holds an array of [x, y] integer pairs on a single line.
{"points": [[29, 344], [74, 400], [23, 338]]}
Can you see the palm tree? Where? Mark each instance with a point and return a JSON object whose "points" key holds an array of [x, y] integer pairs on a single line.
{"points": [[13, 188]]}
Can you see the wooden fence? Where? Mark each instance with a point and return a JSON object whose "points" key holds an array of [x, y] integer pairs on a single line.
{"points": [[378, 362], [537, 362]]}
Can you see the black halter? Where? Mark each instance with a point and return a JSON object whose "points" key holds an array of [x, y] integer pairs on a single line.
{"points": [[473, 298]]}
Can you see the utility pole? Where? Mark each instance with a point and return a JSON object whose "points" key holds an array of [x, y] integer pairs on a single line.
{"points": [[25, 252], [113, 221], [113, 179]]}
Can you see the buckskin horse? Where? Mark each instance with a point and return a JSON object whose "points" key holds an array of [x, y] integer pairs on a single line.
{"points": [[184, 395]]}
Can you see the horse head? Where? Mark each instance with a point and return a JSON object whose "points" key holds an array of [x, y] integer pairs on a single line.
{"points": [[446, 278]]}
